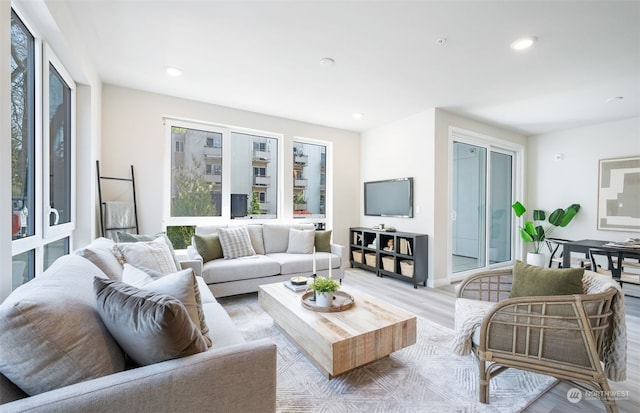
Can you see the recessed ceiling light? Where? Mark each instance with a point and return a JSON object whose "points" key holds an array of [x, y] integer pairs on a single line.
{"points": [[441, 41], [615, 98], [173, 71], [327, 61], [524, 43], [358, 115]]}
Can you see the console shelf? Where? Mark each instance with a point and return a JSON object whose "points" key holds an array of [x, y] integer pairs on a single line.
{"points": [[401, 255]]}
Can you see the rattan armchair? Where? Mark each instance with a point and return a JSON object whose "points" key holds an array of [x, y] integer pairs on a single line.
{"points": [[561, 336]]}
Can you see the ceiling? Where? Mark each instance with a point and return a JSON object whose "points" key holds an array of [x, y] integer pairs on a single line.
{"points": [[264, 56]]}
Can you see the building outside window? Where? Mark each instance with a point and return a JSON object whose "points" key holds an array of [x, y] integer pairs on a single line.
{"points": [[309, 180]]}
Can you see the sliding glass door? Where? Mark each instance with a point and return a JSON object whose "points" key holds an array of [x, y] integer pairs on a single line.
{"points": [[482, 193]]}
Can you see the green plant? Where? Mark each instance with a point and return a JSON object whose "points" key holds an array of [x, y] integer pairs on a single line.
{"points": [[535, 231], [324, 285]]}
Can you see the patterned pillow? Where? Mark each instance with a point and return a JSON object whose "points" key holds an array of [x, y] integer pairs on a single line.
{"points": [[235, 242], [155, 255], [150, 327]]}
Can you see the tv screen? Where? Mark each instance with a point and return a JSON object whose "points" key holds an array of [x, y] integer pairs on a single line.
{"points": [[389, 198]]}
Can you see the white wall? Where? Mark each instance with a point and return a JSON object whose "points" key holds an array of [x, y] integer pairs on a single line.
{"points": [[133, 133], [558, 184], [404, 148]]}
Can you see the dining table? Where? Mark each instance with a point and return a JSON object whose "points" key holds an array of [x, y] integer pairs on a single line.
{"points": [[584, 245]]}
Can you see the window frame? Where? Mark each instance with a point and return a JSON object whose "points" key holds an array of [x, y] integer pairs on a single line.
{"points": [[328, 171], [43, 236], [226, 131]]}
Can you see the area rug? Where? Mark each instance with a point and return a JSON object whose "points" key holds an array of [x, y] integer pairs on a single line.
{"points": [[425, 377]]}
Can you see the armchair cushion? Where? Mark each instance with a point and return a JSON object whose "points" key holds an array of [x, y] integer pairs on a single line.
{"points": [[530, 280]]}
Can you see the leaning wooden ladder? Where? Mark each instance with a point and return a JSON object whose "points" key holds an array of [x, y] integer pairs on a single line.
{"points": [[102, 203]]}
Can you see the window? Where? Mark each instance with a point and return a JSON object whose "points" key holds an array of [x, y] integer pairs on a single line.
{"points": [[42, 157], [23, 138], [222, 172], [309, 180], [254, 169], [196, 173]]}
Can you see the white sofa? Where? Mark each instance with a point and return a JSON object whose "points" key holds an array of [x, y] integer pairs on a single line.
{"points": [[270, 264], [231, 376]]}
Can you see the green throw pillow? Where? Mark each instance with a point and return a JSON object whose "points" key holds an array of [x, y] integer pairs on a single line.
{"points": [[530, 280], [323, 241], [208, 246]]}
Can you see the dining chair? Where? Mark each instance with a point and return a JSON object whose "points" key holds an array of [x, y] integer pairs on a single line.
{"points": [[554, 244], [623, 267]]}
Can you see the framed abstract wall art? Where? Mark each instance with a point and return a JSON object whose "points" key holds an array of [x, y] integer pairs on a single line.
{"points": [[619, 194]]}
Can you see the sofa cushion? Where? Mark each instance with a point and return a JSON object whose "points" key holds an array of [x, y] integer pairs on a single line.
{"points": [[530, 280], [244, 268], [235, 242], [181, 285], [323, 241], [100, 253], [255, 234], [300, 241], [208, 246], [150, 327], [127, 237], [224, 332], [276, 236], [155, 255], [303, 263], [52, 335]]}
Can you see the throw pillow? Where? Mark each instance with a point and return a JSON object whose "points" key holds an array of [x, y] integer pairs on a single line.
{"points": [[181, 285], [323, 241], [150, 327], [530, 280], [235, 242], [255, 235], [128, 237], [100, 253], [51, 335], [208, 246], [300, 241], [151, 254]]}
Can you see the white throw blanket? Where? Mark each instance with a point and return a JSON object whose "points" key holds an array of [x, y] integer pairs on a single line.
{"points": [[118, 215], [469, 314]]}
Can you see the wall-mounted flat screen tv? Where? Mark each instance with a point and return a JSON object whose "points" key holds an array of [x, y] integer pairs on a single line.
{"points": [[389, 198]]}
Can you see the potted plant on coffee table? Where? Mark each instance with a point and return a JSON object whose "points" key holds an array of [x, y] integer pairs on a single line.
{"points": [[536, 231], [324, 289]]}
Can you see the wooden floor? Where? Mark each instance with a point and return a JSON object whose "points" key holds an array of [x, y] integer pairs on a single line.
{"points": [[437, 305]]}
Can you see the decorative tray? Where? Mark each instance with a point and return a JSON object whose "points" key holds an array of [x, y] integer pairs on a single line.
{"points": [[341, 301]]}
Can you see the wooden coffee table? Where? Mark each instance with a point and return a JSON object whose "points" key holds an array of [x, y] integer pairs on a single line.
{"points": [[337, 342]]}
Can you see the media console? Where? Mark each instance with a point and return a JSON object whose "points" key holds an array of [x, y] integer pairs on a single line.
{"points": [[401, 255]]}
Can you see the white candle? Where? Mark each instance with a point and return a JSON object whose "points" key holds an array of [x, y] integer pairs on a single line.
{"points": [[314, 260], [329, 266]]}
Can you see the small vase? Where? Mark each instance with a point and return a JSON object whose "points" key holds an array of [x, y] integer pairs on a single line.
{"points": [[538, 260], [324, 299]]}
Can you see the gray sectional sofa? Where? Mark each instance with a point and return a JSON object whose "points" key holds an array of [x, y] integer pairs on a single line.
{"points": [[52, 339], [272, 262]]}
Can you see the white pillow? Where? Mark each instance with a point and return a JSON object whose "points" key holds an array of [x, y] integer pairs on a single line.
{"points": [[235, 242], [181, 285], [155, 255], [301, 241]]}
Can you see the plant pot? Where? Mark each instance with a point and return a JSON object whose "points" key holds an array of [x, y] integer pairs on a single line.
{"points": [[324, 299], [538, 260]]}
